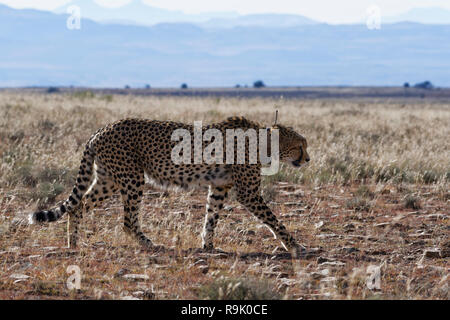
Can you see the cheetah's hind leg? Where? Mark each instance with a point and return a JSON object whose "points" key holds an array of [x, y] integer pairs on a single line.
{"points": [[101, 189], [215, 200], [132, 193]]}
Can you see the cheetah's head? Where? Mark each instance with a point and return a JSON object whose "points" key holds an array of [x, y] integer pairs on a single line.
{"points": [[292, 146]]}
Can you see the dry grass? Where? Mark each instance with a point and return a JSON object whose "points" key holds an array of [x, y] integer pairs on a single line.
{"points": [[375, 193]]}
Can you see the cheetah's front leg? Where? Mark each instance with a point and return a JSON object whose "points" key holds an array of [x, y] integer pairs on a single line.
{"points": [[257, 206], [215, 200], [132, 193], [247, 181]]}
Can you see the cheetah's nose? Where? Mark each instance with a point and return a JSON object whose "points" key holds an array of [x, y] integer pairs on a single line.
{"points": [[307, 159]]}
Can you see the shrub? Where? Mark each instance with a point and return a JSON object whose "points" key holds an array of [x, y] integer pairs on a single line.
{"points": [[184, 86], [412, 202], [46, 288], [364, 192], [48, 192], [269, 193], [46, 124], [358, 204], [23, 174], [283, 175], [53, 90], [430, 177], [259, 84], [424, 85], [62, 175], [238, 289]]}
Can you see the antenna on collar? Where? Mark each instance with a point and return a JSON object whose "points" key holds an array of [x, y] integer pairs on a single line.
{"points": [[276, 117]]}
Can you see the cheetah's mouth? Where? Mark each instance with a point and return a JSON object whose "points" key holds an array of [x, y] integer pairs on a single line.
{"points": [[296, 163]]}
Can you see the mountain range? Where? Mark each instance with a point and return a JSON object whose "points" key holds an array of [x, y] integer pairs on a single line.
{"points": [[37, 49], [139, 13], [429, 15]]}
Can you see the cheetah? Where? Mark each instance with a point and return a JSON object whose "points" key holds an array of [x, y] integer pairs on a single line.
{"points": [[119, 156]]}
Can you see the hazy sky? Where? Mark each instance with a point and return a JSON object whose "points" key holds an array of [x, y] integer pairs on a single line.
{"points": [[331, 11]]}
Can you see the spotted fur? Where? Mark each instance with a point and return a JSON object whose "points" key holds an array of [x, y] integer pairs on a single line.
{"points": [[117, 157]]}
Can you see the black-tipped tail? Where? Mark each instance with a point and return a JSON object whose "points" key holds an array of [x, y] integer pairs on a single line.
{"points": [[84, 179], [47, 215]]}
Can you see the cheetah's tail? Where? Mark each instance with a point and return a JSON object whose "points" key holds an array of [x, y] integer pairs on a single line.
{"points": [[84, 180]]}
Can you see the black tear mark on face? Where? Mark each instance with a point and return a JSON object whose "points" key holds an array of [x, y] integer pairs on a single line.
{"points": [[296, 163]]}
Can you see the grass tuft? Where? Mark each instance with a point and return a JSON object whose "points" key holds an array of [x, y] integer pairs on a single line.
{"points": [[238, 289], [412, 202]]}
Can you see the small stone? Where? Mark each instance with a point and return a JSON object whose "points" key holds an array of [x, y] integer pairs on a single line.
{"points": [[322, 260], [204, 269], [200, 262], [349, 250], [318, 224], [321, 274], [382, 225], [136, 277], [19, 276], [148, 295], [292, 203], [138, 293], [129, 298], [120, 273], [349, 227], [178, 213], [432, 253], [333, 264], [317, 276], [435, 217], [327, 235], [50, 248], [328, 279]]}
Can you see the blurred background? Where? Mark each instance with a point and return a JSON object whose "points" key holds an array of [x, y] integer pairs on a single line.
{"points": [[199, 43]]}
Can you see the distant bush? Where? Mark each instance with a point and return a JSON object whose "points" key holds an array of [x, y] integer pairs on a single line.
{"points": [[259, 84], [107, 97], [127, 87], [237, 86], [184, 86], [406, 85], [53, 90], [83, 94], [147, 86], [424, 85]]}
